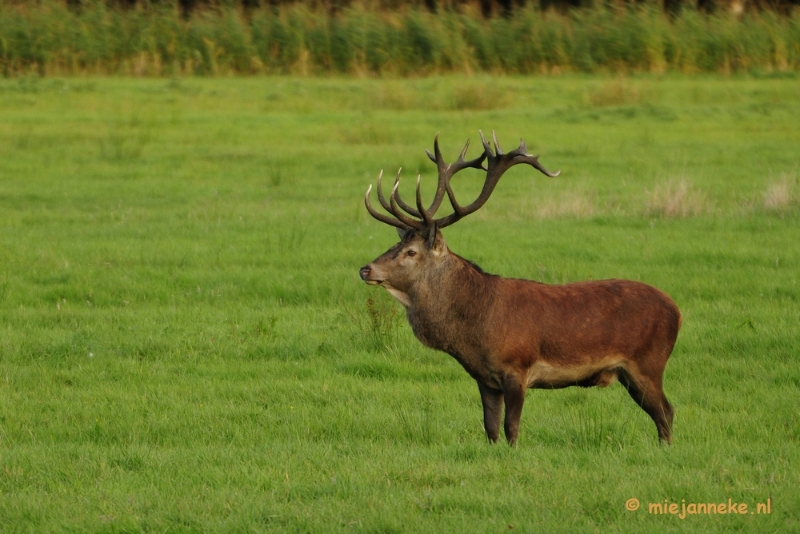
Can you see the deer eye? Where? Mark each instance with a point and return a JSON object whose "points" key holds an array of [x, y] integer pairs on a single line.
{"points": [[411, 253]]}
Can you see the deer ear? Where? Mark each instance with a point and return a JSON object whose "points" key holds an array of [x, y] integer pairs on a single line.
{"points": [[436, 242], [401, 232]]}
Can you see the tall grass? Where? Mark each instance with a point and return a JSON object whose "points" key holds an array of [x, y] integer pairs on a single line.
{"points": [[49, 38]]}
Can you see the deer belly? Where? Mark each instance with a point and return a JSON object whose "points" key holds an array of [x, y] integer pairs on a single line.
{"points": [[586, 374]]}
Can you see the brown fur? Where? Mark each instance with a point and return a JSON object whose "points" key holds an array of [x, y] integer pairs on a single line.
{"points": [[512, 334]]}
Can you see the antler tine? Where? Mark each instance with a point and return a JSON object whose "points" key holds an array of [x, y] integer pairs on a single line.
{"points": [[381, 217], [397, 212], [428, 219], [520, 155], [487, 148], [497, 164], [496, 144], [400, 202], [437, 158], [381, 198], [441, 168], [524, 157], [476, 163], [438, 153], [463, 152]]}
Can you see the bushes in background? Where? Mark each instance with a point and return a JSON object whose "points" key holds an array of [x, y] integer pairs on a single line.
{"points": [[52, 39]]}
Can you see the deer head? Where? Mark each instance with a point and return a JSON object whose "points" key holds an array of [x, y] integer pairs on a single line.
{"points": [[422, 244]]}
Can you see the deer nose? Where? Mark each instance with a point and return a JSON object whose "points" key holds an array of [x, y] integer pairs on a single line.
{"points": [[364, 272]]}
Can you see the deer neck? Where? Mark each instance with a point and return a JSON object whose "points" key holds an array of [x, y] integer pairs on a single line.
{"points": [[452, 297]]}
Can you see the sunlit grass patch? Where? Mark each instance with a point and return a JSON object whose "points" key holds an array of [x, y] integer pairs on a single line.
{"points": [[676, 199], [573, 204], [782, 194]]}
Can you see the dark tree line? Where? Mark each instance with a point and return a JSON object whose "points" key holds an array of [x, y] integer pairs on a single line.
{"points": [[488, 8]]}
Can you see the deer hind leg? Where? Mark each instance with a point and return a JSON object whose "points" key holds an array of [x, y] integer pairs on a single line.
{"points": [[648, 393], [492, 411]]}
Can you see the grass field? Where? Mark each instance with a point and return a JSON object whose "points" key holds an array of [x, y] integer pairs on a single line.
{"points": [[186, 345]]}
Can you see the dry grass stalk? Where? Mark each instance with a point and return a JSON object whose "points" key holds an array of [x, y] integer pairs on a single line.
{"points": [[675, 200], [570, 204], [780, 195]]}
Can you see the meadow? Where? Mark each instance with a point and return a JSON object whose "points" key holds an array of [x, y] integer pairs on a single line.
{"points": [[186, 345]]}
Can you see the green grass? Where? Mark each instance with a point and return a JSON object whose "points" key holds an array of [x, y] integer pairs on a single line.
{"points": [[186, 345]]}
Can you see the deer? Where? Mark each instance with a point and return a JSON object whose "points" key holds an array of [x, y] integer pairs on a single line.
{"points": [[510, 334]]}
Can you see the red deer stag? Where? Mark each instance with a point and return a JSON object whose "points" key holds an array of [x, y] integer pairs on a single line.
{"points": [[511, 334]]}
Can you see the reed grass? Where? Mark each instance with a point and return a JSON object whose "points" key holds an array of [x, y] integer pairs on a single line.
{"points": [[48, 38]]}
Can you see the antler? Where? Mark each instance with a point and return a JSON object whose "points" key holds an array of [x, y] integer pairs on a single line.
{"points": [[399, 220], [447, 170], [497, 164]]}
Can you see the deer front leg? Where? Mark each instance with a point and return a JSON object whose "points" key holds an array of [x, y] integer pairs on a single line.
{"points": [[492, 410], [514, 396]]}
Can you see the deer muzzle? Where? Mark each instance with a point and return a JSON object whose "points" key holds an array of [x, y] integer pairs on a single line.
{"points": [[367, 275]]}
